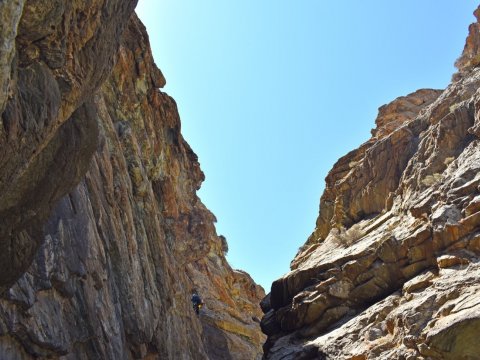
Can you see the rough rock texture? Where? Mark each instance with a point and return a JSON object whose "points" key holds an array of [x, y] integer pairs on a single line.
{"points": [[10, 16], [96, 175], [392, 268], [471, 55], [50, 84]]}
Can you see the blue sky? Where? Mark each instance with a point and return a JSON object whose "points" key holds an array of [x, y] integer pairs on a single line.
{"points": [[272, 93]]}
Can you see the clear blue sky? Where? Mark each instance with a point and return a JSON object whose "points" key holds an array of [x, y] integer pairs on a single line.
{"points": [[271, 93]]}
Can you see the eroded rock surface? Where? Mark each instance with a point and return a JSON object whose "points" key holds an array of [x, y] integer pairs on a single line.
{"points": [[96, 175], [392, 268], [48, 74]]}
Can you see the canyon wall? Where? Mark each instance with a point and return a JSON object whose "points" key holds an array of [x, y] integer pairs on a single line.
{"points": [[102, 236], [392, 270]]}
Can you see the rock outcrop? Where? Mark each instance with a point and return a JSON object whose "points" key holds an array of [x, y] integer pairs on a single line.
{"points": [[102, 235], [392, 268]]}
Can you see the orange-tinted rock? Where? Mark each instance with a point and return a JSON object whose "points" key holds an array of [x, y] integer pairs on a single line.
{"points": [[51, 80], [363, 182], [403, 109], [128, 238], [391, 269], [471, 53], [447, 261]]}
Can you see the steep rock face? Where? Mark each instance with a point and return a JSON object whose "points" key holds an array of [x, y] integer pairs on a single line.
{"points": [[48, 76], [471, 53], [107, 190], [390, 271], [361, 182], [11, 12]]}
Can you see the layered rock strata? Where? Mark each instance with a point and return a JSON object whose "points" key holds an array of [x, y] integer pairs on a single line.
{"points": [[391, 270], [102, 235]]}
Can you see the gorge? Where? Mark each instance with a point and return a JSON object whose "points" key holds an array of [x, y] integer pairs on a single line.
{"points": [[103, 237]]}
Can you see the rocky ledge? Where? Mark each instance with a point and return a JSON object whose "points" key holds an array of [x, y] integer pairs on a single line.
{"points": [[392, 269], [102, 235]]}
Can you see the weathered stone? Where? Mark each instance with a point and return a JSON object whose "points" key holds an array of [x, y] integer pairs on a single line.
{"points": [[410, 341], [473, 206], [457, 340], [355, 189], [269, 323], [340, 289], [448, 214], [401, 110], [10, 13], [67, 157], [471, 53], [419, 282], [45, 93], [413, 190], [265, 304], [447, 261], [97, 177]]}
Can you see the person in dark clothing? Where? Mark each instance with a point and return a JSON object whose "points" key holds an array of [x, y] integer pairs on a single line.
{"points": [[196, 302]]}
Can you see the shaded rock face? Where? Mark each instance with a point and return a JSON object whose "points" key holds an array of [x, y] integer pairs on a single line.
{"points": [[103, 237], [391, 270], [47, 76]]}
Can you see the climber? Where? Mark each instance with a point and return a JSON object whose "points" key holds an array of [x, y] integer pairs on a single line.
{"points": [[196, 302]]}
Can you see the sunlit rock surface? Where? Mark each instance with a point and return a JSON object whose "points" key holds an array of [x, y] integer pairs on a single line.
{"points": [[392, 269], [102, 235]]}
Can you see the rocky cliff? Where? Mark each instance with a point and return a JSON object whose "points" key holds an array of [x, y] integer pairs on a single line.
{"points": [[392, 269], [102, 235]]}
